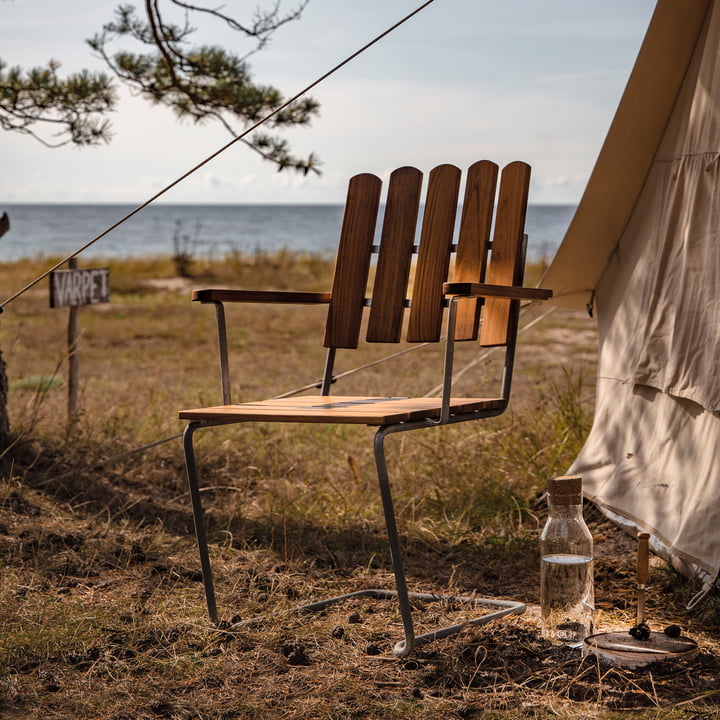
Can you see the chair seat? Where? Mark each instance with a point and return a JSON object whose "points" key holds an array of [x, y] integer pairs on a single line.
{"points": [[358, 410]]}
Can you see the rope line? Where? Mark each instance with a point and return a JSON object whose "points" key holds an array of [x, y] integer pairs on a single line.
{"points": [[485, 354], [479, 358], [352, 371], [227, 145], [114, 458], [435, 390]]}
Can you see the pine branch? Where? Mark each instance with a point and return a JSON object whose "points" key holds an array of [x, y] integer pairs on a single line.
{"points": [[71, 109], [264, 24], [206, 82]]}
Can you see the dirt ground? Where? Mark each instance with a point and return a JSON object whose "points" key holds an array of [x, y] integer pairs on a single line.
{"points": [[126, 637], [101, 605]]}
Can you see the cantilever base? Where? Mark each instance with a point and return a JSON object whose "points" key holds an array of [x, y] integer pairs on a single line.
{"points": [[403, 596], [401, 649]]}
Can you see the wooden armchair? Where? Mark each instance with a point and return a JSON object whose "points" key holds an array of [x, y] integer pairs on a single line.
{"points": [[490, 291]]}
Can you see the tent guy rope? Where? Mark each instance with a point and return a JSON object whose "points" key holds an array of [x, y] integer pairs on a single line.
{"points": [[317, 383], [227, 145]]}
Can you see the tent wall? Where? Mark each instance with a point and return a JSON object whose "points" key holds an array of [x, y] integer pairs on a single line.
{"points": [[628, 151], [652, 459]]}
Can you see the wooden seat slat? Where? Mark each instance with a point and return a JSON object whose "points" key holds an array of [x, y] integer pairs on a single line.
{"points": [[361, 410]]}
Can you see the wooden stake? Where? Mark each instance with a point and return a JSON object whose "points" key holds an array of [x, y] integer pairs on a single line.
{"points": [[73, 358]]}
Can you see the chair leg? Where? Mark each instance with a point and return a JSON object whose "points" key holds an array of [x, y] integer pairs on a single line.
{"points": [[411, 641], [406, 646], [199, 519]]}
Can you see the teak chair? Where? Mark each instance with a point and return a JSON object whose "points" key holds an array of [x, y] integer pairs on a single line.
{"points": [[467, 295]]}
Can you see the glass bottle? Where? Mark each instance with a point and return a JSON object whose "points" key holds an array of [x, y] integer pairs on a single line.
{"points": [[567, 599]]}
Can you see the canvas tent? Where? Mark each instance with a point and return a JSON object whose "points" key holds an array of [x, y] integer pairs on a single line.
{"points": [[643, 251]]}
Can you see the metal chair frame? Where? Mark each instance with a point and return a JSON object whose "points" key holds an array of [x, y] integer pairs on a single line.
{"points": [[410, 641]]}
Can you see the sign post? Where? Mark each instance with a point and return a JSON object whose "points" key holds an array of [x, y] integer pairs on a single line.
{"points": [[73, 334], [72, 288]]}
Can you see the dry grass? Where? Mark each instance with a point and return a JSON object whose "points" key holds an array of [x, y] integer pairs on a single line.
{"points": [[101, 605]]}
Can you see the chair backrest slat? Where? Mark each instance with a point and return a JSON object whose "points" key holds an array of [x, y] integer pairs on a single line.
{"points": [[394, 266], [353, 262], [506, 258], [395, 256], [473, 242], [426, 311]]}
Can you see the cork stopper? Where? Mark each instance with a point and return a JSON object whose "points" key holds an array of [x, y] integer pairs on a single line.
{"points": [[565, 490]]}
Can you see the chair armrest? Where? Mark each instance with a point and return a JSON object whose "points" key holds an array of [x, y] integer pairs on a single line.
{"points": [[261, 296], [502, 291], [218, 296]]}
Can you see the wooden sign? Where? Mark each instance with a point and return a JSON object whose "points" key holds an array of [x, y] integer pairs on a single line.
{"points": [[71, 288]]}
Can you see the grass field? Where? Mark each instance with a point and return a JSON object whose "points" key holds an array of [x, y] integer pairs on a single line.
{"points": [[101, 602]]}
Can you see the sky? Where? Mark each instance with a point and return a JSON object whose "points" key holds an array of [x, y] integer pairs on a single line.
{"points": [[463, 80]]}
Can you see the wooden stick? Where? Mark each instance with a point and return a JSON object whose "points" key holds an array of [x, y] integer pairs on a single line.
{"points": [[643, 558], [643, 573], [73, 334]]}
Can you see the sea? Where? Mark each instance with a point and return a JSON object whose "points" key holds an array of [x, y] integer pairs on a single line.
{"points": [[208, 231]]}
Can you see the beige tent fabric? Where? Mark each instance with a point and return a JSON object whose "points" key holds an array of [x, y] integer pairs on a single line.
{"points": [[662, 285], [652, 462], [627, 153], [653, 456]]}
